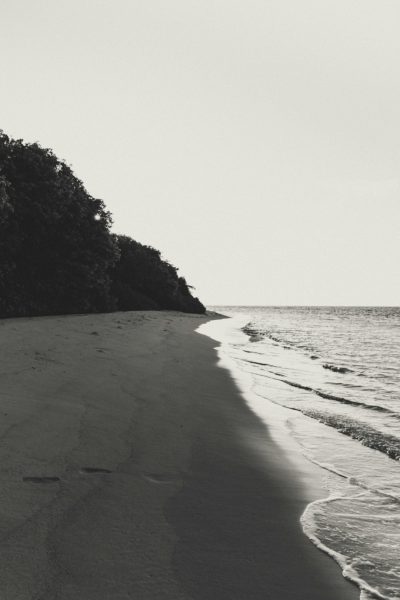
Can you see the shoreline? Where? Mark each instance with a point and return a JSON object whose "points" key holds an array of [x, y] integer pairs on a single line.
{"points": [[160, 492], [310, 474]]}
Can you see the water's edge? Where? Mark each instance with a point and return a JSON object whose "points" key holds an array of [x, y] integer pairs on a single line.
{"points": [[230, 331]]}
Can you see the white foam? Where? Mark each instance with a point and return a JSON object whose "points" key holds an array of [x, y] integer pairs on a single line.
{"points": [[310, 529], [300, 439]]}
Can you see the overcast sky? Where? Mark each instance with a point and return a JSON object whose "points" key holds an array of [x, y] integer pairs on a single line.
{"points": [[256, 143]]}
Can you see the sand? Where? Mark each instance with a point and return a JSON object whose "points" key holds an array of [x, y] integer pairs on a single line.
{"points": [[124, 473]]}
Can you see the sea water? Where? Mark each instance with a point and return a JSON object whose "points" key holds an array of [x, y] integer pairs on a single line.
{"points": [[337, 373]]}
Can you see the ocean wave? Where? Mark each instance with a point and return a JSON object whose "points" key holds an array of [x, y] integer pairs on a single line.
{"points": [[261, 364], [365, 434], [300, 386], [340, 399], [349, 385], [337, 369], [257, 335], [348, 566], [254, 334]]}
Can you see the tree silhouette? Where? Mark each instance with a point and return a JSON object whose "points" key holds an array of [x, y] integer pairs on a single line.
{"points": [[57, 254], [142, 279]]}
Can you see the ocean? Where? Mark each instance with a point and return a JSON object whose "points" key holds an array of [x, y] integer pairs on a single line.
{"points": [[336, 371]]}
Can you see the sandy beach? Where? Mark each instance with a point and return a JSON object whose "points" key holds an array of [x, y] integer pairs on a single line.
{"points": [[124, 472]]}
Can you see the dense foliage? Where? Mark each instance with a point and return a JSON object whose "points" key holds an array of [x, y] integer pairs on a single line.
{"points": [[57, 254], [141, 279]]}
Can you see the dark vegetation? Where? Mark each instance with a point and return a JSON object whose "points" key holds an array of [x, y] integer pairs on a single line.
{"points": [[57, 253]]}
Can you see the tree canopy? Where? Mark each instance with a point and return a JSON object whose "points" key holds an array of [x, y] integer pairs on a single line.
{"points": [[57, 252], [142, 278]]}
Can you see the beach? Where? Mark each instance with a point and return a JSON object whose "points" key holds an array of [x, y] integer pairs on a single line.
{"points": [[128, 470]]}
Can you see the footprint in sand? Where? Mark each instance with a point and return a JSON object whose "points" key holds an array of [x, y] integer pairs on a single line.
{"points": [[41, 479], [158, 478], [87, 470]]}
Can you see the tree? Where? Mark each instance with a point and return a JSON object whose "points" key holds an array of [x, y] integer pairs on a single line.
{"points": [[141, 279], [56, 251], [57, 254]]}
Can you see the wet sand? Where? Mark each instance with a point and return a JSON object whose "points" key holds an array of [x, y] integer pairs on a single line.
{"points": [[125, 471]]}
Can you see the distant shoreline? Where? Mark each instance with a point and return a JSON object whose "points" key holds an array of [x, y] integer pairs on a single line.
{"points": [[127, 469]]}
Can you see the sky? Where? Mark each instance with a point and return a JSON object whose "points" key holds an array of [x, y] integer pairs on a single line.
{"points": [[256, 143]]}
